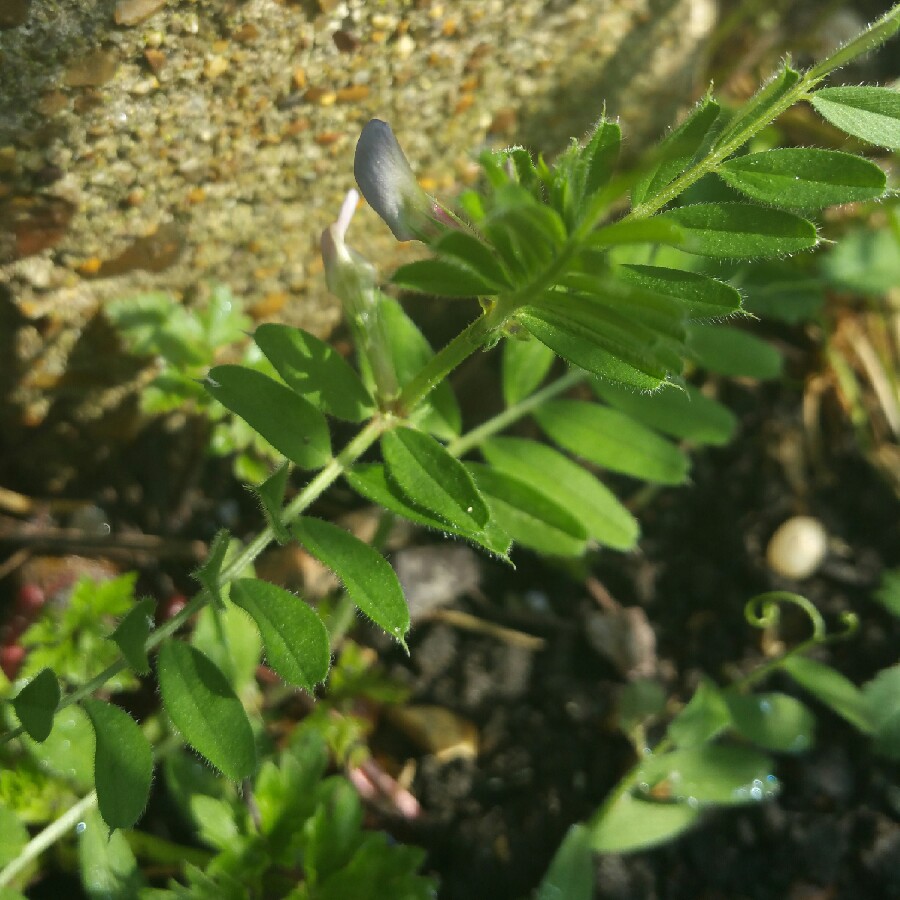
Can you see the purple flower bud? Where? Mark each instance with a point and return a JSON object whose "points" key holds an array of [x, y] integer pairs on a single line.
{"points": [[388, 183]]}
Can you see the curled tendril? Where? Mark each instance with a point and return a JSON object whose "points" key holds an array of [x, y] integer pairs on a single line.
{"points": [[764, 611]]}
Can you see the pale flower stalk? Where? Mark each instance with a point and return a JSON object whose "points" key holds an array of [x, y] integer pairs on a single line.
{"points": [[353, 280]]}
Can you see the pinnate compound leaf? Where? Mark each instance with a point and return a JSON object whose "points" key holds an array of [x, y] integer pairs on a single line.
{"points": [[443, 278], [295, 638], [804, 178], [571, 872], [633, 823], [702, 297], [833, 689], [773, 721], [205, 709], [292, 425], [367, 576], [613, 440], [528, 516], [567, 483], [687, 414], [677, 150], [315, 370], [710, 774], [474, 254], [123, 766], [370, 481], [431, 478], [36, 703], [741, 230], [525, 365], [729, 351], [132, 632], [869, 113]]}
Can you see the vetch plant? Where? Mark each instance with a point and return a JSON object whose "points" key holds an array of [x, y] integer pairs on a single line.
{"points": [[562, 261]]}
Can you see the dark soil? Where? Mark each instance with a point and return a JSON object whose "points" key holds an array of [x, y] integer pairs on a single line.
{"points": [[550, 751]]}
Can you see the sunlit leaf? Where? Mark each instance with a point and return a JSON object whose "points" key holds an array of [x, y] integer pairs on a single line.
{"points": [[106, 863], [366, 575], [370, 481], [315, 370], [431, 478], [123, 765], [869, 113], [528, 516], [804, 178], [741, 230], [773, 721], [832, 689], [704, 717], [288, 422], [633, 823], [703, 297], [568, 484], [709, 773], [36, 703], [295, 638], [613, 440], [655, 230], [205, 709]]}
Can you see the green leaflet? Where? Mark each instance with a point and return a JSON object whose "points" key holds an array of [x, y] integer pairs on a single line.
{"points": [[741, 230], [568, 484], [704, 717], [443, 278], [36, 703], [613, 440], [315, 370], [703, 297], [526, 363], [527, 515], [686, 414], [123, 766], [882, 694], [433, 479], [633, 823], [292, 425], [131, 634], [729, 351], [677, 151], [370, 481], [710, 773], [655, 230], [296, 639], [205, 709], [599, 155], [804, 178], [366, 575], [833, 689], [869, 113], [766, 98], [210, 573], [773, 721], [571, 872], [474, 254], [592, 339], [271, 497]]}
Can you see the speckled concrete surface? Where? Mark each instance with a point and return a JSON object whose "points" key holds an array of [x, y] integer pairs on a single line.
{"points": [[212, 140]]}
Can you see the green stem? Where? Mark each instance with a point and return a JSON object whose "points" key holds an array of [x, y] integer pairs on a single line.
{"points": [[493, 426], [46, 838], [875, 34]]}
